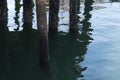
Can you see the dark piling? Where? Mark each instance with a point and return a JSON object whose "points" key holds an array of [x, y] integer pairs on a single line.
{"points": [[73, 14], [3, 34], [53, 14], [42, 31], [27, 14]]}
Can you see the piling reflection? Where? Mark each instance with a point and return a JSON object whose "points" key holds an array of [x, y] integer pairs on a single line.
{"points": [[78, 6], [68, 51], [17, 9], [85, 37], [78, 11], [19, 50], [115, 0], [86, 24]]}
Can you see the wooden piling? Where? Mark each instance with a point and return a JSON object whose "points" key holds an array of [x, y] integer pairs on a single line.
{"points": [[42, 30], [3, 34], [53, 14], [3, 9], [27, 14], [3, 15], [73, 14]]}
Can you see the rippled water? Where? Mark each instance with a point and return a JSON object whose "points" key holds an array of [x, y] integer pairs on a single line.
{"points": [[102, 58], [92, 53]]}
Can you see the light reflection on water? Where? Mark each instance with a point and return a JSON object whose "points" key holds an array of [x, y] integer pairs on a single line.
{"points": [[72, 56], [11, 16], [102, 57]]}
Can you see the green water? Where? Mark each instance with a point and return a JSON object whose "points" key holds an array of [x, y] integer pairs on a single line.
{"points": [[92, 53]]}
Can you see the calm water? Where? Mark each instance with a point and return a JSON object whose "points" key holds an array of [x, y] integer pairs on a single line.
{"points": [[92, 53]]}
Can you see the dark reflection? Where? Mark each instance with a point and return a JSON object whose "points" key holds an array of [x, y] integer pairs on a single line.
{"points": [[85, 35], [68, 51], [78, 6], [18, 50], [17, 9], [25, 56], [19, 55], [78, 10], [115, 0], [3, 34], [24, 49]]}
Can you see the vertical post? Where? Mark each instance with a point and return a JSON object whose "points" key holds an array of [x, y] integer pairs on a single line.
{"points": [[3, 15], [3, 33], [27, 33], [42, 30], [27, 14], [53, 14], [73, 14]]}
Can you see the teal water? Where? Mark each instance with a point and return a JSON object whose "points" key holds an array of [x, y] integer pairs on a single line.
{"points": [[92, 53]]}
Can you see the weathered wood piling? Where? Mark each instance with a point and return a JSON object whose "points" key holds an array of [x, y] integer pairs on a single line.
{"points": [[42, 30], [3, 15], [3, 34], [53, 14], [27, 14], [73, 14]]}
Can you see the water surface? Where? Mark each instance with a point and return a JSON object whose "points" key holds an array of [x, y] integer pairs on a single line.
{"points": [[91, 53]]}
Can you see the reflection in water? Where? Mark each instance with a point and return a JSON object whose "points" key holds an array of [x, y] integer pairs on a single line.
{"points": [[85, 32], [114, 0], [19, 50], [68, 51], [86, 24], [19, 58], [17, 9], [78, 6], [78, 10]]}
